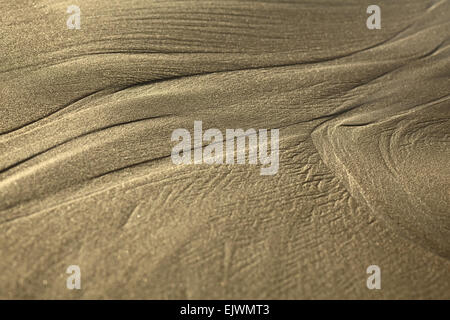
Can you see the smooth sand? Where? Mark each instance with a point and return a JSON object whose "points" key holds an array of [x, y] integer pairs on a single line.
{"points": [[86, 176]]}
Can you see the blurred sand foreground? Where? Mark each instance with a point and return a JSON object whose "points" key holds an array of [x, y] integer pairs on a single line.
{"points": [[86, 177]]}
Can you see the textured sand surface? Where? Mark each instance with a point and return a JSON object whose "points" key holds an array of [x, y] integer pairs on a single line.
{"points": [[86, 176]]}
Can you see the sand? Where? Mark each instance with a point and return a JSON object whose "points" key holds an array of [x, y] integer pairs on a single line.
{"points": [[86, 176]]}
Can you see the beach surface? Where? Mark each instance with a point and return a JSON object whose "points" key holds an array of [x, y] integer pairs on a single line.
{"points": [[87, 179]]}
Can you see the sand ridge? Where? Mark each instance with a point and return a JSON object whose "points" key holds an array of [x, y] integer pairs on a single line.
{"points": [[86, 176]]}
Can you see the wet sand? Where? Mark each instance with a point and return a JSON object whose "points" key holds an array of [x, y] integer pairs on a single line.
{"points": [[86, 176]]}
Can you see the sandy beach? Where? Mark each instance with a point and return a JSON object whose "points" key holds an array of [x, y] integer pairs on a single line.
{"points": [[87, 177]]}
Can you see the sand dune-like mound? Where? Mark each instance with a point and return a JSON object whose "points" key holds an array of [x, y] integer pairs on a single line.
{"points": [[87, 178]]}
